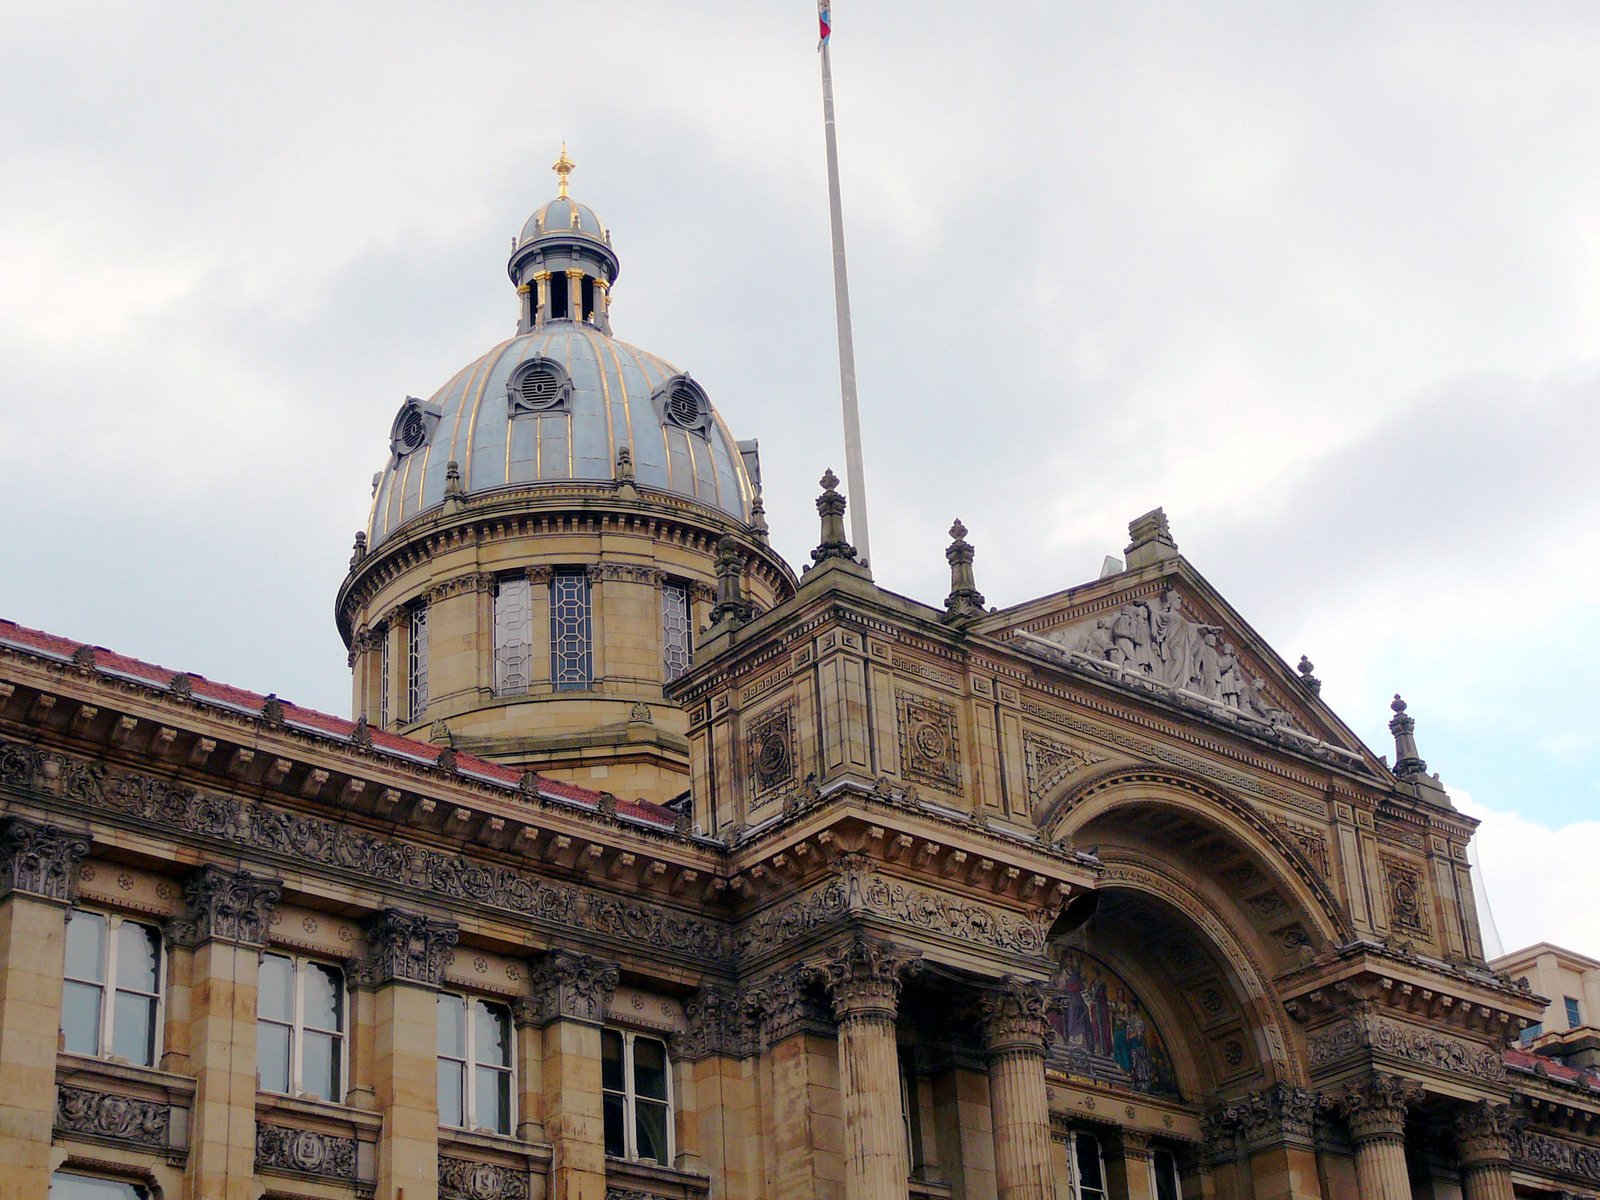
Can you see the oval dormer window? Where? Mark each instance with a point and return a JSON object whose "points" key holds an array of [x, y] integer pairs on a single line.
{"points": [[682, 402], [413, 426], [537, 386]]}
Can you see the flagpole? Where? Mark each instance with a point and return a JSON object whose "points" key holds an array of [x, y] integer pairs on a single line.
{"points": [[854, 475]]}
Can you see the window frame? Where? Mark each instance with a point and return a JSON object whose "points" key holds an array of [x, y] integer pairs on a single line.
{"points": [[557, 616], [497, 648], [630, 1098], [297, 1029], [470, 1064], [383, 678], [1075, 1176], [416, 660], [1574, 1011], [676, 588], [109, 988], [69, 1173], [1155, 1173]]}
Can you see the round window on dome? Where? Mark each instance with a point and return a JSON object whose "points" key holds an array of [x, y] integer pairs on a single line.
{"points": [[683, 406], [413, 427], [537, 386], [682, 402]]}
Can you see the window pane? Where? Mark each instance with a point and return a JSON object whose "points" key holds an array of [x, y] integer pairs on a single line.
{"points": [[86, 939], [323, 998], [611, 1060], [675, 643], [492, 1098], [650, 1131], [1089, 1162], [133, 1028], [615, 1146], [1166, 1169], [81, 1187], [272, 1056], [452, 1026], [570, 662], [319, 1065], [491, 1034], [80, 1017], [650, 1068], [450, 1096], [138, 957], [417, 663], [276, 983], [513, 636]]}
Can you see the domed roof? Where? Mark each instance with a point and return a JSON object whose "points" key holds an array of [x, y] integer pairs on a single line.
{"points": [[555, 404], [563, 215]]}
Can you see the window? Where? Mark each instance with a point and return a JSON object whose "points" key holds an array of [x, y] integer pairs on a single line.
{"points": [[513, 636], [383, 680], [86, 1187], [571, 660], [637, 1096], [1574, 1012], [676, 645], [475, 1048], [1531, 1033], [910, 1110], [558, 296], [300, 1028], [1088, 1168], [417, 662], [111, 998], [1164, 1175]]}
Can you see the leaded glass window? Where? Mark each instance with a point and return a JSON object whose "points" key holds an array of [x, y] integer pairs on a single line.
{"points": [[676, 648], [475, 1055], [383, 680], [111, 997], [513, 636], [417, 663], [571, 650]]}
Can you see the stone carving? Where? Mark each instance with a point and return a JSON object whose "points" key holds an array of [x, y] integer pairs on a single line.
{"points": [[235, 906], [771, 749], [463, 1179], [1153, 639], [106, 1115], [39, 859], [1276, 1116], [1312, 844], [1544, 1153], [1483, 1132], [965, 601], [830, 507], [929, 751], [1047, 762], [404, 947], [1407, 896], [306, 1151], [1013, 1017], [616, 1193], [786, 1003], [1375, 1110], [718, 1021], [230, 823], [862, 977], [1422, 1046], [575, 987]]}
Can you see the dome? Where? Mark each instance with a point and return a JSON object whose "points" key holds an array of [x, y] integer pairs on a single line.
{"points": [[555, 404], [563, 215]]}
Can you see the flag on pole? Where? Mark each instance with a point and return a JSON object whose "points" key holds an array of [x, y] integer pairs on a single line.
{"points": [[824, 22]]}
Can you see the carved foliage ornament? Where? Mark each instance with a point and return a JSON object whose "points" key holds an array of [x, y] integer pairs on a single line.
{"points": [[279, 1148], [575, 987], [1278, 1115], [105, 1115], [40, 859], [786, 1003], [235, 906], [1013, 1017], [1407, 896], [928, 747], [1544, 1153], [1422, 1046], [405, 947], [1375, 1110], [1483, 1133], [718, 1021], [1047, 762], [463, 1179], [771, 749], [862, 977]]}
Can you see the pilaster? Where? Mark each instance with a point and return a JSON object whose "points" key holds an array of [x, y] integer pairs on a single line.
{"points": [[571, 995], [1277, 1130]]}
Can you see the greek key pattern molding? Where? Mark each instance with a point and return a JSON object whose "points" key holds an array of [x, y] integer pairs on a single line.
{"points": [[113, 1117], [1422, 1046], [464, 1179], [305, 1152]]}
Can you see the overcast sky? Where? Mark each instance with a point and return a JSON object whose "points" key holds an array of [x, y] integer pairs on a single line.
{"points": [[1324, 281]]}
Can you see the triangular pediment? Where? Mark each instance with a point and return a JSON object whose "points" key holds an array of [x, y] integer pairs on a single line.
{"points": [[1165, 634]]}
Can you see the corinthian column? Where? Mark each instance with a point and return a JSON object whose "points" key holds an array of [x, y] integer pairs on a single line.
{"points": [[863, 981], [1375, 1111], [1014, 1026], [1483, 1138]]}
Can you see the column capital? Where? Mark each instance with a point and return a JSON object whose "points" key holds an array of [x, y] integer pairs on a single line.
{"points": [[572, 987], [406, 947], [41, 860], [223, 905], [786, 1003], [862, 977], [1375, 1110], [1483, 1133], [1280, 1115], [717, 1021], [1013, 1016]]}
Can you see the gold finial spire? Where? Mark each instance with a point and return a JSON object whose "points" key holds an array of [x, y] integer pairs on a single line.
{"points": [[563, 167]]}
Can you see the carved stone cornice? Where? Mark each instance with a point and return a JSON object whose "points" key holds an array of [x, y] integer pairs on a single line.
{"points": [[572, 987], [40, 860], [862, 977], [1483, 1133], [1013, 1017], [718, 1021], [230, 906], [403, 947], [1375, 1110], [112, 1117], [465, 1179], [305, 1152], [786, 1003], [1280, 1115]]}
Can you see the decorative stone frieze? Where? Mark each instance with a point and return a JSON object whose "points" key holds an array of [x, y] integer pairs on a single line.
{"points": [[305, 1152], [1540, 1152], [572, 987], [617, 1193], [1014, 1017], [407, 948], [787, 1003], [1425, 1047], [464, 1179], [1375, 1110], [862, 977], [1281, 1115], [1484, 1131], [233, 906], [719, 1021], [116, 1118], [41, 860]]}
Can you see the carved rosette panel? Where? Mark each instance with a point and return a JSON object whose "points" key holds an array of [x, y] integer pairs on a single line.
{"points": [[234, 906], [862, 977], [464, 1179], [39, 859], [113, 1117], [1280, 1115], [1408, 896], [1014, 1018], [1047, 763], [718, 1021], [1375, 1110], [770, 749], [929, 750], [572, 987], [305, 1152], [405, 947]]}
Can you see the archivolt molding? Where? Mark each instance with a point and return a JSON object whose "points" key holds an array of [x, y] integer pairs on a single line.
{"points": [[1083, 800], [1140, 873]]}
